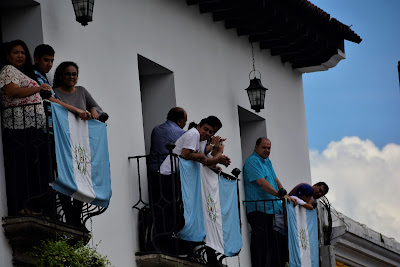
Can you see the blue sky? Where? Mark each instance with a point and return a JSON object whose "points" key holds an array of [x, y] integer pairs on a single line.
{"points": [[360, 96], [353, 116]]}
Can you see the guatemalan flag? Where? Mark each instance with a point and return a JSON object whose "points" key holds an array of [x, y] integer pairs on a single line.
{"points": [[82, 158], [210, 208], [303, 237]]}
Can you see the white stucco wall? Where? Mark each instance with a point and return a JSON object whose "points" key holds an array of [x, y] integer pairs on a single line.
{"points": [[210, 66]]}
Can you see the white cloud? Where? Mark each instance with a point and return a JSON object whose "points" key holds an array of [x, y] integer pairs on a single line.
{"points": [[364, 181]]}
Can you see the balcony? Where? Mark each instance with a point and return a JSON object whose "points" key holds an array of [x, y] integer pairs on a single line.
{"points": [[160, 212], [36, 211]]}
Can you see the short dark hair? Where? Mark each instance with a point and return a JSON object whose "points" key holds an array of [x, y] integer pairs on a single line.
{"points": [[175, 114], [323, 184], [60, 70], [43, 49], [207, 121], [258, 142], [216, 121], [192, 125]]}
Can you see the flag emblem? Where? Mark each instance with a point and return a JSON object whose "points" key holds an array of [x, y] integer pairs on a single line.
{"points": [[81, 158], [211, 208], [303, 239]]}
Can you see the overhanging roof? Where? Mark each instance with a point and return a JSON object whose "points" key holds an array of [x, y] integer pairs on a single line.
{"points": [[296, 30]]}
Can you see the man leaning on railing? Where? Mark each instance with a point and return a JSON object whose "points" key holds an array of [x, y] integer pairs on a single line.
{"points": [[319, 189], [261, 194], [191, 145]]}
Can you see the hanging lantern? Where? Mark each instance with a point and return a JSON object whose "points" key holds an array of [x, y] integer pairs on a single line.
{"points": [[83, 11], [256, 91]]}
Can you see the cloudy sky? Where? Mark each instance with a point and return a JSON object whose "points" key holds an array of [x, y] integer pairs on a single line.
{"points": [[353, 116]]}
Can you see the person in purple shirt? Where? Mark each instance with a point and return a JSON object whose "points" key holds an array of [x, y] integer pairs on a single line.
{"points": [[320, 189], [165, 133]]}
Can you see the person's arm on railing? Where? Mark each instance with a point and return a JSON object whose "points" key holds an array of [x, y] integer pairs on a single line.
{"points": [[289, 198], [14, 91], [303, 201], [84, 115], [266, 186], [191, 155], [308, 206]]}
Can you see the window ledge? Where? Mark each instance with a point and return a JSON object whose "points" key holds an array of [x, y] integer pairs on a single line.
{"points": [[23, 233]]}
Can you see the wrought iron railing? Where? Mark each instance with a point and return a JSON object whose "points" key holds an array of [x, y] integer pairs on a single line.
{"points": [[279, 233], [30, 167], [161, 210]]}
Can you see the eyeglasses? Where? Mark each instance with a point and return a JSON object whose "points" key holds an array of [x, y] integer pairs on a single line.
{"points": [[70, 74]]}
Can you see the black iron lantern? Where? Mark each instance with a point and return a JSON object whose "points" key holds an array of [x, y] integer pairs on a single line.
{"points": [[83, 11], [256, 91]]}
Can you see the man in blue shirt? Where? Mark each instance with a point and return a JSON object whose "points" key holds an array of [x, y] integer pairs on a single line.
{"points": [[165, 133], [160, 186], [261, 183]]}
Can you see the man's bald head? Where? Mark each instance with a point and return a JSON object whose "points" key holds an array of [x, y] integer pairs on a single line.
{"points": [[178, 115], [258, 142]]}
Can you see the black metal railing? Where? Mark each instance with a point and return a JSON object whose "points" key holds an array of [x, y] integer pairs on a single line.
{"points": [[279, 232], [161, 213], [30, 167]]}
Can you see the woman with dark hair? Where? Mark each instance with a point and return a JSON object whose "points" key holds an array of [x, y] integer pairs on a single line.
{"points": [[23, 121], [64, 85], [19, 87]]}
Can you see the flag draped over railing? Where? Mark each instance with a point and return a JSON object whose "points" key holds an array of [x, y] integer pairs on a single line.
{"points": [[303, 237], [210, 208], [83, 164]]}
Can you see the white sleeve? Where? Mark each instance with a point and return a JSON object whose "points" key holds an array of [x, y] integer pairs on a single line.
{"points": [[299, 201], [191, 141], [9, 74]]}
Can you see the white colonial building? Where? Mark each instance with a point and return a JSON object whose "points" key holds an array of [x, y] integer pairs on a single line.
{"points": [[139, 58]]}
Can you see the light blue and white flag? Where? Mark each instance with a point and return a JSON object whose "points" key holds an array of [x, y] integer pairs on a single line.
{"points": [[221, 213], [82, 158], [303, 237], [194, 229], [212, 202]]}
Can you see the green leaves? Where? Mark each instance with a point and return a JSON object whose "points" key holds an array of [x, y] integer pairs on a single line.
{"points": [[60, 253]]}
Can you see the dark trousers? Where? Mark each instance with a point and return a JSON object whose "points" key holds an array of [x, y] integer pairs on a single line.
{"points": [[267, 247], [72, 210], [27, 172], [166, 203], [261, 238]]}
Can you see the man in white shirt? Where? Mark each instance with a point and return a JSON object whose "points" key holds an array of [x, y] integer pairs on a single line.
{"points": [[191, 146]]}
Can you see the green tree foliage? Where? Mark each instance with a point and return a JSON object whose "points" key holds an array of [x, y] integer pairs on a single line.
{"points": [[60, 253]]}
